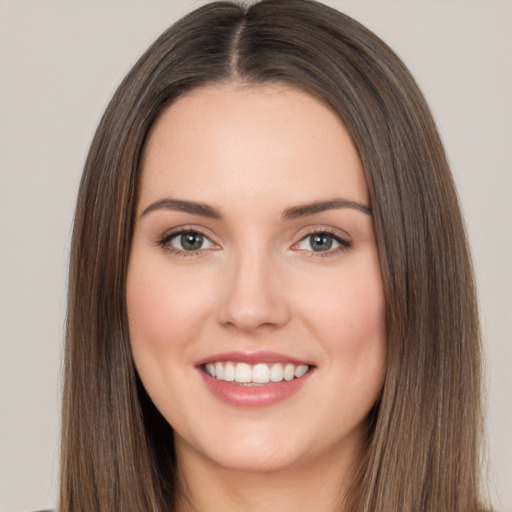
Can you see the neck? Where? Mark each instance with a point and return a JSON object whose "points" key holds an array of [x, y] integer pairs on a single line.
{"points": [[320, 485]]}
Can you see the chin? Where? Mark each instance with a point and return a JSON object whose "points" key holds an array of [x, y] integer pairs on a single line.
{"points": [[255, 451], [256, 461]]}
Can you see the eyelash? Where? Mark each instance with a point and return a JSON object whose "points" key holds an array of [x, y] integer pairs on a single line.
{"points": [[344, 244], [164, 242]]}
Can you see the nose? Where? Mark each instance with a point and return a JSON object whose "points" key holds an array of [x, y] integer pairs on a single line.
{"points": [[253, 298]]}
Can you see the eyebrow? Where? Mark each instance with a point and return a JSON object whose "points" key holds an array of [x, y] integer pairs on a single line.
{"points": [[294, 212], [334, 204], [183, 206]]}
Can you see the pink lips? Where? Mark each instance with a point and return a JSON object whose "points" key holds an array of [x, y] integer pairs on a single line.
{"points": [[251, 358], [261, 395]]}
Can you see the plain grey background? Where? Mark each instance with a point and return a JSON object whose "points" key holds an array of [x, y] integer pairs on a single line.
{"points": [[60, 62]]}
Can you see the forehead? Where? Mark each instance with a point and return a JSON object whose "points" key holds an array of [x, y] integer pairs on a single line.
{"points": [[268, 142]]}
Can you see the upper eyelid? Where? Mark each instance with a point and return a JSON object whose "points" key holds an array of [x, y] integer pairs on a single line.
{"points": [[311, 230], [164, 242], [344, 241], [300, 235], [170, 233], [180, 234]]}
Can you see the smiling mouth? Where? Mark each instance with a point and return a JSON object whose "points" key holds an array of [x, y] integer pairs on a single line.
{"points": [[255, 374]]}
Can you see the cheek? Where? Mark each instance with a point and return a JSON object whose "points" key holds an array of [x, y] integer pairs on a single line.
{"points": [[164, 307], [349, 309], [348, 317], [161, 305]]}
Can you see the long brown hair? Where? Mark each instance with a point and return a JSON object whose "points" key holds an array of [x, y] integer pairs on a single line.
{"points": [[422, 452]]}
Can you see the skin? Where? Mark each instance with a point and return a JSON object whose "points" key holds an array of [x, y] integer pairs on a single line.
{"points": [[256, 284]]}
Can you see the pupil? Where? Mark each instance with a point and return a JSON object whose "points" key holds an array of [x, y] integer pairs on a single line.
{"points": [[321, 242], [191, 241]]}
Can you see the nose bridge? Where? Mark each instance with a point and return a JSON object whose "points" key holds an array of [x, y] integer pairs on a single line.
{"points": [[253, 296]]}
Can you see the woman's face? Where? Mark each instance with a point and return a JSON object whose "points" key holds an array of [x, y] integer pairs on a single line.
{"points": [[254, 293]]}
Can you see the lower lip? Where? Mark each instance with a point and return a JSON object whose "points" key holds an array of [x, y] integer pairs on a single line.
{"points": [[253, 396]]}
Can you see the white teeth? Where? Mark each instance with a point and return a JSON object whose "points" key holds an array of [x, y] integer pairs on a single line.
{"points": [[229, 372], [260, 373], [289, 372], [301, 370], [219, 371], [210, 369], [242, 373], [276, 373]]}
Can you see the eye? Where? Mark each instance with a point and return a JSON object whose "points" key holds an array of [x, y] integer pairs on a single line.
{"points": [[186, 241], [322, 241]]}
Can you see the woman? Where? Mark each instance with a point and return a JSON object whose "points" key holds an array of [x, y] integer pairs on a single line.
{"points": [[271, 300]]}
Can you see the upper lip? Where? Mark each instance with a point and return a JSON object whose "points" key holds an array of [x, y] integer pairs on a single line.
{"points": [[251, 358]]}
